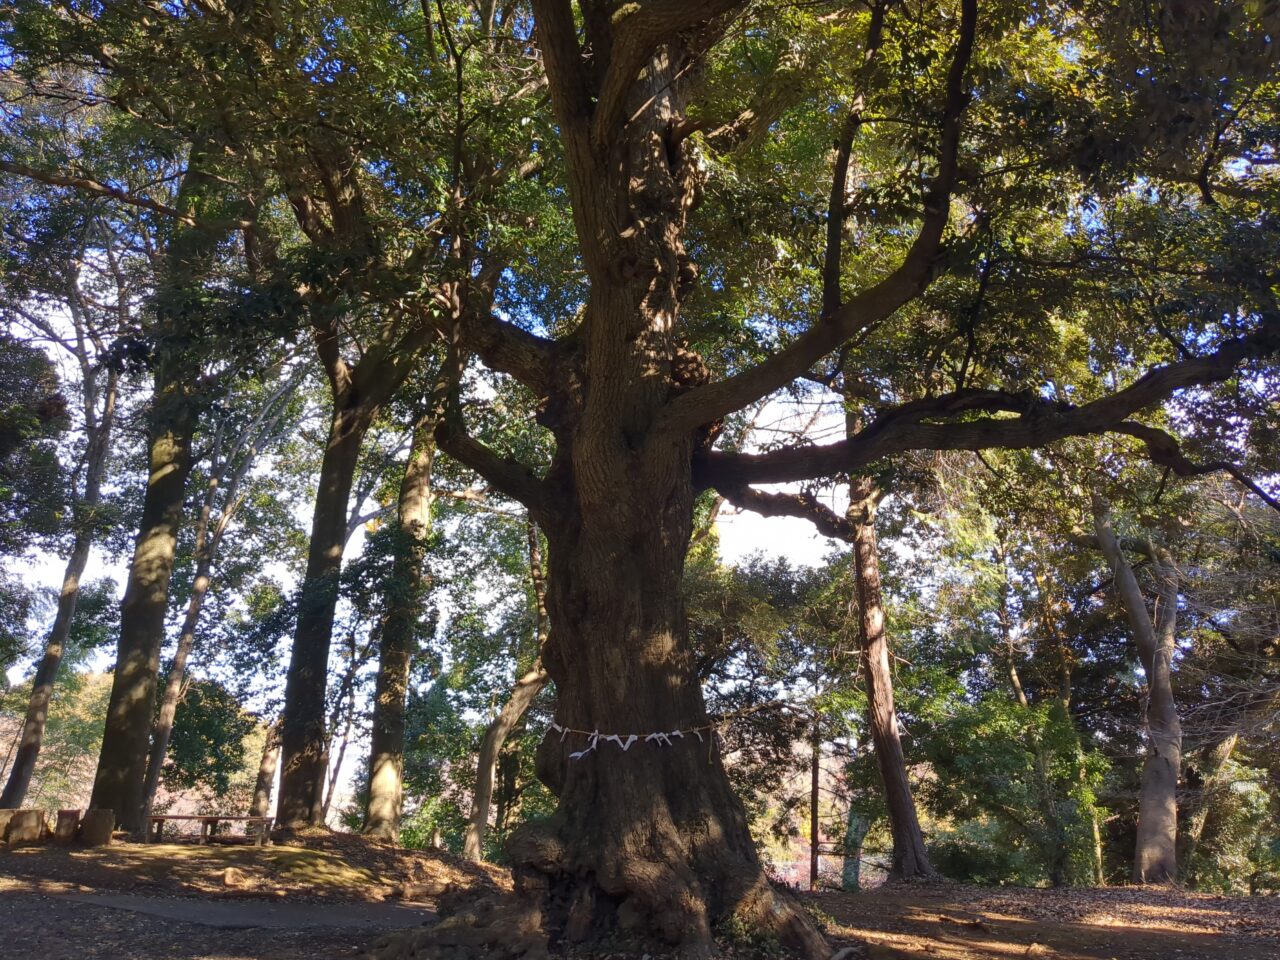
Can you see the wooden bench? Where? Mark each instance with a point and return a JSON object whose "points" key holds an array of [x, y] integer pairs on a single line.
{"points": [[208, 825]]}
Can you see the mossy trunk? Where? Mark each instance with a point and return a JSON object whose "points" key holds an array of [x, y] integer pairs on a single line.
{"points": [[397, 643]]}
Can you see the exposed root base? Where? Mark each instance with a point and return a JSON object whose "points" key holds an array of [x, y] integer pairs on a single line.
{"points": [[505, 927], [492, 928]]}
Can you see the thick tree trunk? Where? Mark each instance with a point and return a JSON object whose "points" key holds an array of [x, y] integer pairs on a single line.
{"points": [[302, 779], [118, 784], [651, 839], [1156, 853], [910, 859], [397, 641], [32, 734], [267, 764], [522, 697]]}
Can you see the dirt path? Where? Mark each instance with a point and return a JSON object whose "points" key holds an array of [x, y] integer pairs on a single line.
{"points": [[243, 914], [63, 926], [968, 923]]}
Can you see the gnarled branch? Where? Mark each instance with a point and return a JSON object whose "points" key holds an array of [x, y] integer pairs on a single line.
{"points": [[868, 308], [803, 505], [1039, 421], [1163, 448]]}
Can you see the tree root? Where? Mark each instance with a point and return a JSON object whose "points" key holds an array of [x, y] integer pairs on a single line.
{"points": [[492, 928]]}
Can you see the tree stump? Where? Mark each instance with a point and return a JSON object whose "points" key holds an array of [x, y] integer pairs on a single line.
{"points": [[26, 827], [65, 830], [96, 827]]}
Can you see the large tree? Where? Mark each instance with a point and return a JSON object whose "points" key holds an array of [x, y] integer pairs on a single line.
{"points": [[1040, 128], [655, 837]]}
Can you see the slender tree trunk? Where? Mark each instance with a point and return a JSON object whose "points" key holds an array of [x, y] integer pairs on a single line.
{"points": [[118, 784], [1156, 853], [209, 534], [398, 642], [1212, 760], [522, 697], [910, 859], [32, 732], [163, 727], [1053, 846], [270, 759], [336, 767], [815, 837], [302, 778]]}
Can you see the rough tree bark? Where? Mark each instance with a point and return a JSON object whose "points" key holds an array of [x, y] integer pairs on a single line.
{"points": [[118, 783], [98, 428], [653, 838], [910, 859], [1156, 852], [523, 695], [397, 643]]}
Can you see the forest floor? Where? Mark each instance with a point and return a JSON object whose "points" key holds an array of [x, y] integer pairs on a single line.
{"points": [[954, 922], [334, 896]]}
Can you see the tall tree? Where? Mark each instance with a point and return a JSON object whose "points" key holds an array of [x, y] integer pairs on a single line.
{"points": [[99, 388], [975, 117], [528, 685], [1155, 858], [230, 461], [397, 639]]}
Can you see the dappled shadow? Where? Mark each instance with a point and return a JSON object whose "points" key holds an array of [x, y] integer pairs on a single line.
{"points": [[964, 923], [336, 868]]}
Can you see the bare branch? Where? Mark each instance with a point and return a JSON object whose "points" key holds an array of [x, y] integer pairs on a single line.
{"points": [[509, 477], [88, 185]]}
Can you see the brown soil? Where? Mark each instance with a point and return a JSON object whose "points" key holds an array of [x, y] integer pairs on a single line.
{"points": [[319, 867], [909, 922], [947, 922]]}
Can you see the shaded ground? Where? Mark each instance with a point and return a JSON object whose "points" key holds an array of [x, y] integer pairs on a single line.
{"points": [[324, 901], [58, 927], [1125, 923], [186, 902], [336, 867]]}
